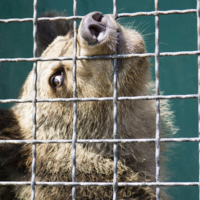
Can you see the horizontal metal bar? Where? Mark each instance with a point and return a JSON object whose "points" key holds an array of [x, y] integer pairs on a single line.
{"points": [[157, 13], [153, 97], [141, 140], [78, 57], [118, 16], [101, 183], [118, 56], [40, 19], [16, 20]]}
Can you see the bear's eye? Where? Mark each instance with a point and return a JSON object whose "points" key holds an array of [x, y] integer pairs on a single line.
{"points": [[57, 79]]}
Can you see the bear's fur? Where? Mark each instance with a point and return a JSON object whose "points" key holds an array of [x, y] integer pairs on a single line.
{"points": [[94, 161]]}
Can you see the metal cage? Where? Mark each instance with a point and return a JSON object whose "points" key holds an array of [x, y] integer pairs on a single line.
{"points": [[158, 97]]}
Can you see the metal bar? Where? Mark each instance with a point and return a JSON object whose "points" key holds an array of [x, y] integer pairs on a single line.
{"points": [[157, 137], [74, 103], [115, 125], [163, 184], [136, 14], [119, 15], [33, 175], [141, 140], [180, 53], [188, 96], [198, 46], [41, 19]]}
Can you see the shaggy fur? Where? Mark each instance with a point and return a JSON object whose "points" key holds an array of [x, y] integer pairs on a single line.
{"points": [[136, 119]]}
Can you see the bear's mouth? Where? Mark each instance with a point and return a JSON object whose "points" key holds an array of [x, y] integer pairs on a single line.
{"points": [[97, 31], [96, 28]]}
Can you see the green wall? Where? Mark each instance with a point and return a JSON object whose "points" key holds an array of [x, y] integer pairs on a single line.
{"points": [[178, 75]]}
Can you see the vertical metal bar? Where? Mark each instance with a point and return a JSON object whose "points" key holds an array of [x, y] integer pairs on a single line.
{"points": [[198, 46], [34, 99], [115, 114], [157, 143], [74, 104], [115, 9]]}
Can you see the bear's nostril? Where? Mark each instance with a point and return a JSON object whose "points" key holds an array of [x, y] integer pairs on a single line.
{"points": [[97, 16]]}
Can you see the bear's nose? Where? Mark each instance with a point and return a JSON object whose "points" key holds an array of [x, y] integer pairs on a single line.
{"points": [[93, 27]]}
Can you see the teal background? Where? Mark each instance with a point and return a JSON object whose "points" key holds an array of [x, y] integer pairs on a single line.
{"points": [[178, 75]]}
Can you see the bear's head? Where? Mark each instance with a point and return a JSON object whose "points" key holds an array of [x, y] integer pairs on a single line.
{"points": [[97, 35]]}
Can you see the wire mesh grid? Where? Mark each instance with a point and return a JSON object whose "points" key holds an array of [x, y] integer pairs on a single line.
{"points": [[157, 140]]}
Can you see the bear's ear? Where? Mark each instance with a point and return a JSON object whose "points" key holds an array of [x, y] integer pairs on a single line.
{"points": [[47, 31]]}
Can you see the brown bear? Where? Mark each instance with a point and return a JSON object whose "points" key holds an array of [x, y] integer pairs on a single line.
{"points": [[98, 34]]}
